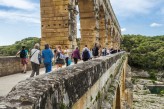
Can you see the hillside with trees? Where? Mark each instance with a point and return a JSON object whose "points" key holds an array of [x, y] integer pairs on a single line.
{"points": [[11, 50], [145, 52]]}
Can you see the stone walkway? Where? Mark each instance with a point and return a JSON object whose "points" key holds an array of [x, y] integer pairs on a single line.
{"points": [[8, 82]]}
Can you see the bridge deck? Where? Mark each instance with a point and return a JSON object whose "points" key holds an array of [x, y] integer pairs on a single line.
{"points": [[8, 82]]}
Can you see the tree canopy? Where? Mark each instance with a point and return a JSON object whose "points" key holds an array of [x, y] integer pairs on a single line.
{"points": [[145, 52], [11, 50]]}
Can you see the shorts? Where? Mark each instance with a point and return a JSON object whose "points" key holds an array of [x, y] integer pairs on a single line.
{"points": [[24, 61]]}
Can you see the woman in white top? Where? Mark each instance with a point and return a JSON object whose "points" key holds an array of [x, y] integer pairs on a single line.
{"points": [[35, 55]]}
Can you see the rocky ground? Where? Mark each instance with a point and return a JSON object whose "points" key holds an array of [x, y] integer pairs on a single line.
{"points": [[142, 98]]}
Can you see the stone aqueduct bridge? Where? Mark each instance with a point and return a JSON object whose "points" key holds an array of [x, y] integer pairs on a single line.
{"points": [[102, 83], [97, 19]]}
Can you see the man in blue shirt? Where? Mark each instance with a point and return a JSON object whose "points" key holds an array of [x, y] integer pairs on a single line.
{"points": [[47, 56]]}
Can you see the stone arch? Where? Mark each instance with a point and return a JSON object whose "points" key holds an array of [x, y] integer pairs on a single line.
{"points": [[119, 40], [115, 38], [112, 35], [118, 99], [87, 22], [102, 30], [109, 33], [123, 84]]}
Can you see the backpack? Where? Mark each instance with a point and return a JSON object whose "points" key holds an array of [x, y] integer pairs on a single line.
{"points": [[60, 55], [59, 59], [95, 51], [85, 54], [23, 54]]}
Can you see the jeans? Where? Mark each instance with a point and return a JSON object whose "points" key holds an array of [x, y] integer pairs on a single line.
{"points": [[48, 67]]}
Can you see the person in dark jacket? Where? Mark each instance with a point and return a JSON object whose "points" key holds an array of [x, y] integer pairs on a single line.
{"points": [[76, 55], [95, 51], [86, 54]]}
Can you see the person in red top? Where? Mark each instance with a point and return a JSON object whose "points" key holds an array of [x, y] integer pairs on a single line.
{"points": [[76, 55]]}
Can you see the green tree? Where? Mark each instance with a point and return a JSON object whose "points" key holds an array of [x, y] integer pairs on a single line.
{"points": [[145, 52], [11, 50]]}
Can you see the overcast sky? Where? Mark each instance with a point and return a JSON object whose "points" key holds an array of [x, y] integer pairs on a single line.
{"points": [[21, 18]]}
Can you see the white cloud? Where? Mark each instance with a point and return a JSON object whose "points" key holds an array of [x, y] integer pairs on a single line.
{"points": [[19, 4], [123, 29], [17, 16], [132, 7], [155, 25], [25, 11]]}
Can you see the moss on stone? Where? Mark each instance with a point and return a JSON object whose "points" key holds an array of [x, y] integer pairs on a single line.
{"points": [[91, 98], [63, 106]]}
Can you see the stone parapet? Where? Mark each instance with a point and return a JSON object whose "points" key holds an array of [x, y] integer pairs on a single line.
{"points": [[11, 65], [77, 86]]}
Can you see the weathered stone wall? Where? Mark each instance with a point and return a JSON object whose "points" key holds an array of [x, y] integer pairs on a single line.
{"points": [[55, 23], [11, 65], [80, 86]]}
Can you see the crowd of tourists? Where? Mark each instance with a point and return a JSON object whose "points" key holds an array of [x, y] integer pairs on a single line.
{"points": [[59, 56]]}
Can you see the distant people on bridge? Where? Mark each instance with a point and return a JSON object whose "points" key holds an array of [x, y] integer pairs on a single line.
{"points": [[112, 50], [47, 56], [66, 53], [55, 53], [95, 51], [91, 54], [108, 51], [35, 60], [100, 50], [86, 54], [60, 57], [76, 55], [24, 58], [104, 52]]}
